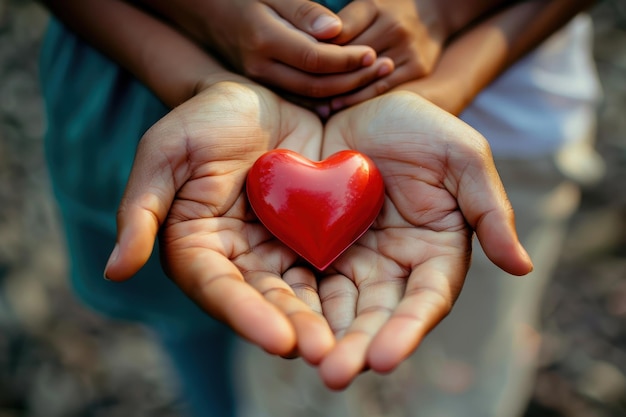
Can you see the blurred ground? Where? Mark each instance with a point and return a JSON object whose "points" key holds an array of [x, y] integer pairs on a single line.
{"points": [[60, 360]]}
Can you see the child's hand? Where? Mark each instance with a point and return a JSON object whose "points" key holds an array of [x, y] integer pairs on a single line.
{"points": [[277, 43], [187, 184], [402, 277], [409, 32]]}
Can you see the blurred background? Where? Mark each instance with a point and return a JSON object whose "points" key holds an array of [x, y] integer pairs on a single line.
{"points": [[58, 359]]}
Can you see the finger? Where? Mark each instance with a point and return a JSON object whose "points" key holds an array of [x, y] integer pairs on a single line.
{"points": [[218, 287], [303, 283], [378, 297], [349, 357], [313, 335], [485, 205], [375, 89], [308, 16], [144, 206], [357, 16], [338, 298], [370, 34], [323, 58], [497, 235], [324, 85], [430, 293], [346, 361], [303, 52], [403, 72]]}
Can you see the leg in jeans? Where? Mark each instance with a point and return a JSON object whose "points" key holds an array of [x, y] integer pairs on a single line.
{"points": [[203, 363]]}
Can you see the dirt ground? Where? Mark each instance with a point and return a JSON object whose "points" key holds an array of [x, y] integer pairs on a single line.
{"points": [[58, 359]]}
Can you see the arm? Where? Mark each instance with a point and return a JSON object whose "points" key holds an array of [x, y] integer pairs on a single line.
{"points": [[457, 15], [478, 40], [148, 48], [480, 54]]}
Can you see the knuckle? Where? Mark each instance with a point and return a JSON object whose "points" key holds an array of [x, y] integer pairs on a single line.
{"points": [[351, 62], [258, 40], [311, 59], [400, 31], [381, 87], [254, 68], [315, 89], [305, 10]]}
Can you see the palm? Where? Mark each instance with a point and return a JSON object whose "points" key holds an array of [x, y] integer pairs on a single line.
{"points": [[403, 276]]}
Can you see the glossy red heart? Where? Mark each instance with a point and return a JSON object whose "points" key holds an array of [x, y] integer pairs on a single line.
{"points": [[318, 209]]}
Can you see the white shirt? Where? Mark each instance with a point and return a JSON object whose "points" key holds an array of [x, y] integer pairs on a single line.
{"points": [[545, 101]]}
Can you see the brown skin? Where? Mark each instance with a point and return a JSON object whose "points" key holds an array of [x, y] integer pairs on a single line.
{"points": [[222, 122], [483, 51]]}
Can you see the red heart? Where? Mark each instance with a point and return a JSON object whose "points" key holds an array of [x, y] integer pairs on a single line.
{"points": [[318, 209]]}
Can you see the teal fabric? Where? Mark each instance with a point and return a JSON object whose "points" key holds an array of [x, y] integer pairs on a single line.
{"points": [[96, 114], [334, 5]]}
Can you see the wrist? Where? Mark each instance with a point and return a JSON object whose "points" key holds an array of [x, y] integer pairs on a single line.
{"points": [[208, 81], [445, 94]]}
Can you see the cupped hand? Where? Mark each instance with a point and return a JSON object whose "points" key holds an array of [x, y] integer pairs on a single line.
{"points": [[403, 276], [187, 185]]}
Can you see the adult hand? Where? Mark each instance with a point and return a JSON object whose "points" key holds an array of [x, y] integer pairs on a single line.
{"points": [[387, 291], [187, 184]]}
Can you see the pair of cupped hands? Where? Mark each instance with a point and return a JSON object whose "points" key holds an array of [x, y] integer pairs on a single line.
{"points": [[378, 300], [372, 307]]}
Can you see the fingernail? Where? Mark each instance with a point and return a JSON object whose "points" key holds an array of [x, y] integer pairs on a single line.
{"points": [[114, 255], [336, 104], [368, 59], [324, 22], [384, 70], [323, 111]]}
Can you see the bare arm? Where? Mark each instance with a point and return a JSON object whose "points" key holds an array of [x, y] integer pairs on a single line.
{"points": [[480, 54], [277, 42], [457, 15], [149, 49]]}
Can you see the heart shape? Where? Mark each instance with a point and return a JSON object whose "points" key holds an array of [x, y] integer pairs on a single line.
{"points": [[318, 209]]}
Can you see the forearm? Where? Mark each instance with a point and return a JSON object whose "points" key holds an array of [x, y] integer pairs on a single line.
{"points": [[457, 15], [188, 15], [164, 60], [481, 53]]}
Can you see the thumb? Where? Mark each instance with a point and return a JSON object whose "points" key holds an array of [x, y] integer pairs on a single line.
{"points": [[149, 193], [486, 207], [310, 17]]}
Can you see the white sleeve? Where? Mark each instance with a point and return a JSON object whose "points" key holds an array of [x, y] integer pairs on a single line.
{"points": [[546, 100]]}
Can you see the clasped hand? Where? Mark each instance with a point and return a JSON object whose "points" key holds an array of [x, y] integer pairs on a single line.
{"points": [[375, 304]]}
